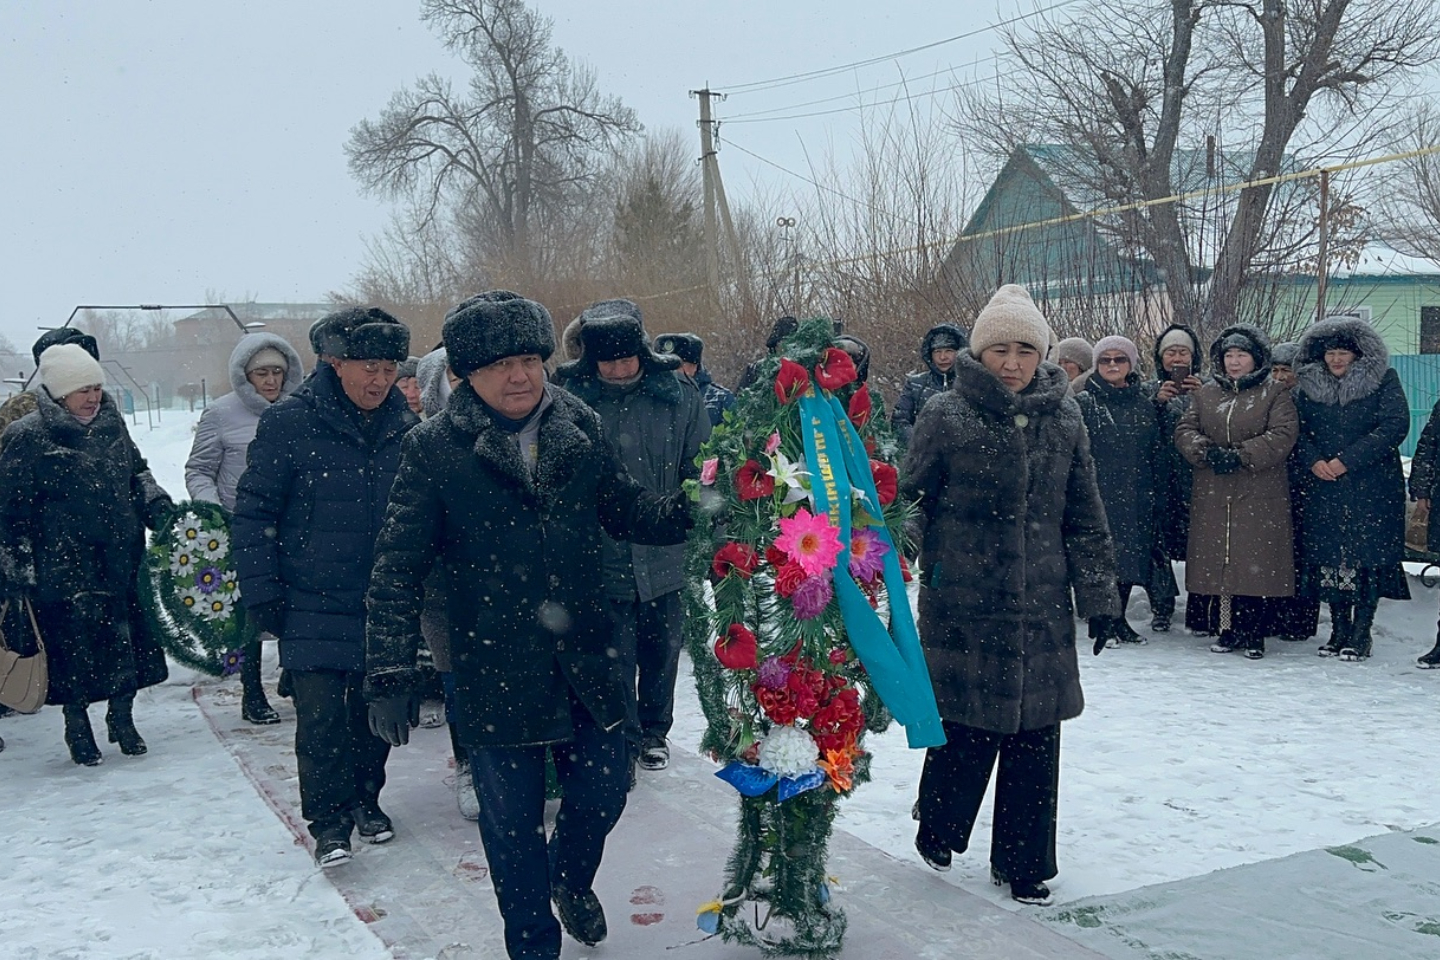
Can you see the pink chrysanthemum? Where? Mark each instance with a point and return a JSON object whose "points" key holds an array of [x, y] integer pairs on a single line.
{"points": [[809, 541], [867, 555]]}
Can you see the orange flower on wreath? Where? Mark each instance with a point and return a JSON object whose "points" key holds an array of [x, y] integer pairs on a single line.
{"points": [[839, 767]]}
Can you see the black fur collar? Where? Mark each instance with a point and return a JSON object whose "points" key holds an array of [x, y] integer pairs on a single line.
{"points": [[568, 429], [982, 388], [659, 382]]}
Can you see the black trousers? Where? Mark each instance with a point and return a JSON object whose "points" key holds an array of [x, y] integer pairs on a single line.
{"points": [[1162, 588], [648, 637], [953, 783], [593, 770], [341, 762]]}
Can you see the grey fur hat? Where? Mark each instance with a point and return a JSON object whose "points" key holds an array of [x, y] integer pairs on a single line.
{"points": [[1285, 354], [687, 346], [494, 325], [361, 333], [1075, 349]]}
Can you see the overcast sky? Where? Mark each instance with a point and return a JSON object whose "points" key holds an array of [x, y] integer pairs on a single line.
{"points": [[153, 151]]}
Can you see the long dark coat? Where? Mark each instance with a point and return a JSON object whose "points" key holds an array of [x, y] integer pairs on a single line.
{"points": [[307, 511], [1240, 536], [1011, 522], [1174, 477], [527, 614], [74, 502], [1358, 520], [1425, 474], [1124, 431], [657, 430]]}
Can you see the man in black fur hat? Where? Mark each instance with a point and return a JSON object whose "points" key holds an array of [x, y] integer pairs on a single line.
{"points": [[508, 488], [690, 349], [307, 511], [657, 422]]}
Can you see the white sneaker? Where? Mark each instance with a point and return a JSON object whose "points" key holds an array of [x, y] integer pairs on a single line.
{"points": [[465, 797]]}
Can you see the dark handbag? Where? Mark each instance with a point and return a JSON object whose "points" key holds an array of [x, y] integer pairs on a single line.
{"points": [[24, 681]]}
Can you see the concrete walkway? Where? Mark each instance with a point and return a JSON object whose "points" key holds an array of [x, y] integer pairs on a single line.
{"points": [[427, 894]]}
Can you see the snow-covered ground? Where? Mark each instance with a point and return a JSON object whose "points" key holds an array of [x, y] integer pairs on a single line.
{"points": [[1183, 763]]}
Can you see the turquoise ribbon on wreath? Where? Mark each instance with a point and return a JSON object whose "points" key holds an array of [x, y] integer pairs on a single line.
{"points": [[892, 658]]}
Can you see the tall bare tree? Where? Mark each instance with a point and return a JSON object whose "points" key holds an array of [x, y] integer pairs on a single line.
{"points": [[505, 157], [1130, 83], [1410, 193]]}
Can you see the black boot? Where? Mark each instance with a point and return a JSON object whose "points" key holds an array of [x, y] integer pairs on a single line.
{"points": [[1431, 660], [120, 723], [79, 737], [254, 707], [1359, 646], [1340, 629]]}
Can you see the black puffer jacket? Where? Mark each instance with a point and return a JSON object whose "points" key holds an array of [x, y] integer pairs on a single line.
{"points": [[920, 387], [528, 620], [307, 511], [74, 504], [1124, 431], [1011, 524], [1358, 520]]}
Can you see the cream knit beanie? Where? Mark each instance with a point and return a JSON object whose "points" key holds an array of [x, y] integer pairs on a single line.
{"points": [[66, 367], [1010, 316], [1075, 349]]}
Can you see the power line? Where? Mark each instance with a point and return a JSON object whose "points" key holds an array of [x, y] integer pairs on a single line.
{"points": [[794, 78], [845, 96], [850, 109]]}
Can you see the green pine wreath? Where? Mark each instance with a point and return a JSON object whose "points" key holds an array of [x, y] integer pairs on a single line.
{"points": [[774, 668], [193, 603]]}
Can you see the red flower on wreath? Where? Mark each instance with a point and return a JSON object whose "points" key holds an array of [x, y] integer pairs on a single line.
{"points": [[788, 578], [860, 406], [887, 481], [752, 482], [905, 569], [835, 370], [776, 557], [791, 381], [837, 725], [738, 558], [736, 650], [779, 705]]}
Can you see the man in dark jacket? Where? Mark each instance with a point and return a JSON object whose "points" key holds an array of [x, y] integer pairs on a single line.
{"points": [[938, 349], [690, 348], [307, 511], [656, 421], [1177, 371], [509, 489]]}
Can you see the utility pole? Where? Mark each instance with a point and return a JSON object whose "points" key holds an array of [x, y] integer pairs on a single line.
{"points": [[714, 188]]}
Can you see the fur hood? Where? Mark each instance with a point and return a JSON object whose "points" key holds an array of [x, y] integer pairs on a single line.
{"points": [[1254, 378], [1365, 374], [434, 385], [660, 380], [927, 345], [251, 344]]}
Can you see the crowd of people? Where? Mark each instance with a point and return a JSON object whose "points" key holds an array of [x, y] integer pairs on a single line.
{"points": [[504, 532]]}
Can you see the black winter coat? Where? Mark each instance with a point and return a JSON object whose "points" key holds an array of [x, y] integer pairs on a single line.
{"points": [[74, 504], [307, 511], [1011, 523], [1124, 429], [528, 618], [717, 398], [1358, 520], [1174, 477], [920, 387], [1425, 474]]}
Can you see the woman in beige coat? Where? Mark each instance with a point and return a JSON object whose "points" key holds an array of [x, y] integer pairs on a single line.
{"points": [[1237, 434]]}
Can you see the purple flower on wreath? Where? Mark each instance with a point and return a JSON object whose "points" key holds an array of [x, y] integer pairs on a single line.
{"points": [[773, 673], [208, 579], [867, 555], [230, 663], [812, 597]]}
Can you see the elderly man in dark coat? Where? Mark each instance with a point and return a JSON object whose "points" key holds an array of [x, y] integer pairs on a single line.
{"points": [[938, 349], [1012, 526], [655, 418], [510, 488], [307, 511]]}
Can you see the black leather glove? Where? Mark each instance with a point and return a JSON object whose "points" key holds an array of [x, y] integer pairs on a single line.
{"points": [[268, 617], [1223, 459], [159, 513], [1099, 632], [392, 717]]}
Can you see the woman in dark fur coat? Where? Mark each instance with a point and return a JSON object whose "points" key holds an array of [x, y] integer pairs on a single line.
{"points": [[1353, 418], [1011, 523], [75, 497]]}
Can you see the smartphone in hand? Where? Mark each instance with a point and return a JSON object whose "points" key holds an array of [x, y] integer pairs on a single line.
{"points": [[1179, 373]]}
